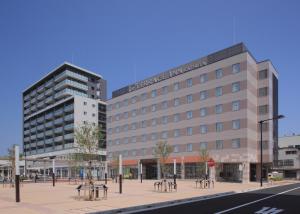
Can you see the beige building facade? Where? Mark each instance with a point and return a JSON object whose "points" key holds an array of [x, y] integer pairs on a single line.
{"points": [[213, 104]]}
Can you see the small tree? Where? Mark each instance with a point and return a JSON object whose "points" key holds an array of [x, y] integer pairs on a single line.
{"points": [[88, 138], [203, 158], [162, 152]]}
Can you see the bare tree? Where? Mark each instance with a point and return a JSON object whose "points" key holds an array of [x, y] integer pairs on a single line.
{"points": [[162, 152], [203, 158], [89, 138]]}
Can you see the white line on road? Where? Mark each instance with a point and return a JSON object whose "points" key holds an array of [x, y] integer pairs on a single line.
{"points": [[253, 202]]}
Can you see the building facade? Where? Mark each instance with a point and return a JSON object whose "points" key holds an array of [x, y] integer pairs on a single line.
{"points": [[67, 97], [289, 156], [213, 104]]}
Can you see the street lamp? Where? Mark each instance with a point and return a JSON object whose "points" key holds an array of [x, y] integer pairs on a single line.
{"points": [[261, 146]]}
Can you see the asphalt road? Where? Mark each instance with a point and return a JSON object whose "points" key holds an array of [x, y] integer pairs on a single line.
{"points": [[282, 199]]}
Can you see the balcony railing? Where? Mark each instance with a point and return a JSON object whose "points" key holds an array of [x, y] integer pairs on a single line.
{"points": [[40, 136], [69, 127], [58, 139], [49, 141], [26, 132], [40, 127], [58, 130], [40, 143], [26, 97], [40, 97], [49, 133], [33, 93], [49, 100], [40, 120], [26, 139], [69, 108], [26, 104], [58, 112], [48, 92], [33, 122], [69, 117], [49, 83], [41, 89], [58, 121], [69, 136], [49, 124], [49, 116], [32, 137], [67, 73], [40, 105]]}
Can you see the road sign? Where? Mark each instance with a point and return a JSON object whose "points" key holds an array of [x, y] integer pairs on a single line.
{"points": [[211, 162]]}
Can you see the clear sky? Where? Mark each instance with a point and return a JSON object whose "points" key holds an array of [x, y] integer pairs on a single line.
{"points": [[117, 38]]}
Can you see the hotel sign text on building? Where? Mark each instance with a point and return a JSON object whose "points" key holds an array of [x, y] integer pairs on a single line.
{"points": [[166, 75]]}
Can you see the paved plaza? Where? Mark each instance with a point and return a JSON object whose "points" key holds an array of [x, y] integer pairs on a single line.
{"points": [[43, 198]]}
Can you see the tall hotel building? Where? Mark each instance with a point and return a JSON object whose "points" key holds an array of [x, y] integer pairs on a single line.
{"points": [[67, 97], [213, 103]]}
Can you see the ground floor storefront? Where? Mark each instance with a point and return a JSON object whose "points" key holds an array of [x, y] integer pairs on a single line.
{"points": [[220, 171]]}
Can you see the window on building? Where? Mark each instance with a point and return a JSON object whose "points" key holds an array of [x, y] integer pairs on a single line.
{"points": [[189, 115], [235, 105], [153, 122], [189, 131], [144, 124], [117, 141], [109, 107], [189, 82], [125, 102], [263, 109], [109, 142], [189, 98], [109, 119], [203, 78], [133, 153], [165, 90], [93, 114], [236, 143], [235, 87], [164, 135], [143, 96], [203, 129], [125, 127], [153, 93], [265, 127], [133, 112], [164, 104], [203, 145], [236, 68], [126, 140], [134, 126], [144, 110], [263, 74], [176, 86], [176, 102], [133, 139], [219, 109], [109, 131], [164, 119], [84, 103], [262, 92], [219, 91], [93, 105], [176, 149], [219, 144], [236, 124], [134, 99], [154, 136], [219, 73], [203, 112], [219, 127], [144, 138], [177, 133], [293, 152], [203, 95], [84, 113], [176, 118], [189, 147], [117, 105], [117, 117], [117, 129], [125, 115], [153, 107]]}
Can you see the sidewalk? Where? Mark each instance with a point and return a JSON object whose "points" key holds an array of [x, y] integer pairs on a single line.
{"points": [[43, 198]]}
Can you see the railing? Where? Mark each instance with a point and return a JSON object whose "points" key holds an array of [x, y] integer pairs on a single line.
{"points": [[49, 141], [58, 139], [49, 116], [49, 83], [58, 112], [49, 124], [69, 127], [49, 91], [49, 133], [69, 136], [69, 117], [41, 135], [58, 121], [58, 130], [69, 108]]}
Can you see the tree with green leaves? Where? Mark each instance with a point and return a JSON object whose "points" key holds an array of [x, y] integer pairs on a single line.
{"points": [[89, 137], [162, 152]]}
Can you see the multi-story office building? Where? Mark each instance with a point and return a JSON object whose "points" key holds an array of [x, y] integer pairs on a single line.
{"points": [[289, 156], [64, 99], [213, 103]]}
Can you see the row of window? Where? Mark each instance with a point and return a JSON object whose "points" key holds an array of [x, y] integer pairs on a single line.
{"points": [[176, 87], [235, 106], [203, 129], [176, 102], [219, 144]]}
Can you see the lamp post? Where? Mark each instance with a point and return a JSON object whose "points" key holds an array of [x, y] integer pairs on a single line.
{"points": [[141, 173], [174, 171], [53, 172], [261, 146], [105, 173], [120, 174], [17, 178]]}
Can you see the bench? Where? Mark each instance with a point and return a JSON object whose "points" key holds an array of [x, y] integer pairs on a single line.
{"points": [[94, 188]]}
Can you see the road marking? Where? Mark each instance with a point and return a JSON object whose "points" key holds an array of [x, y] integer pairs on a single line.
{"points": [[268, 210], [253, 202]]}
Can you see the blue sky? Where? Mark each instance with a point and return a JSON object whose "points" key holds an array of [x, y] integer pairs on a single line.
{"points": [[116, 38]]}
